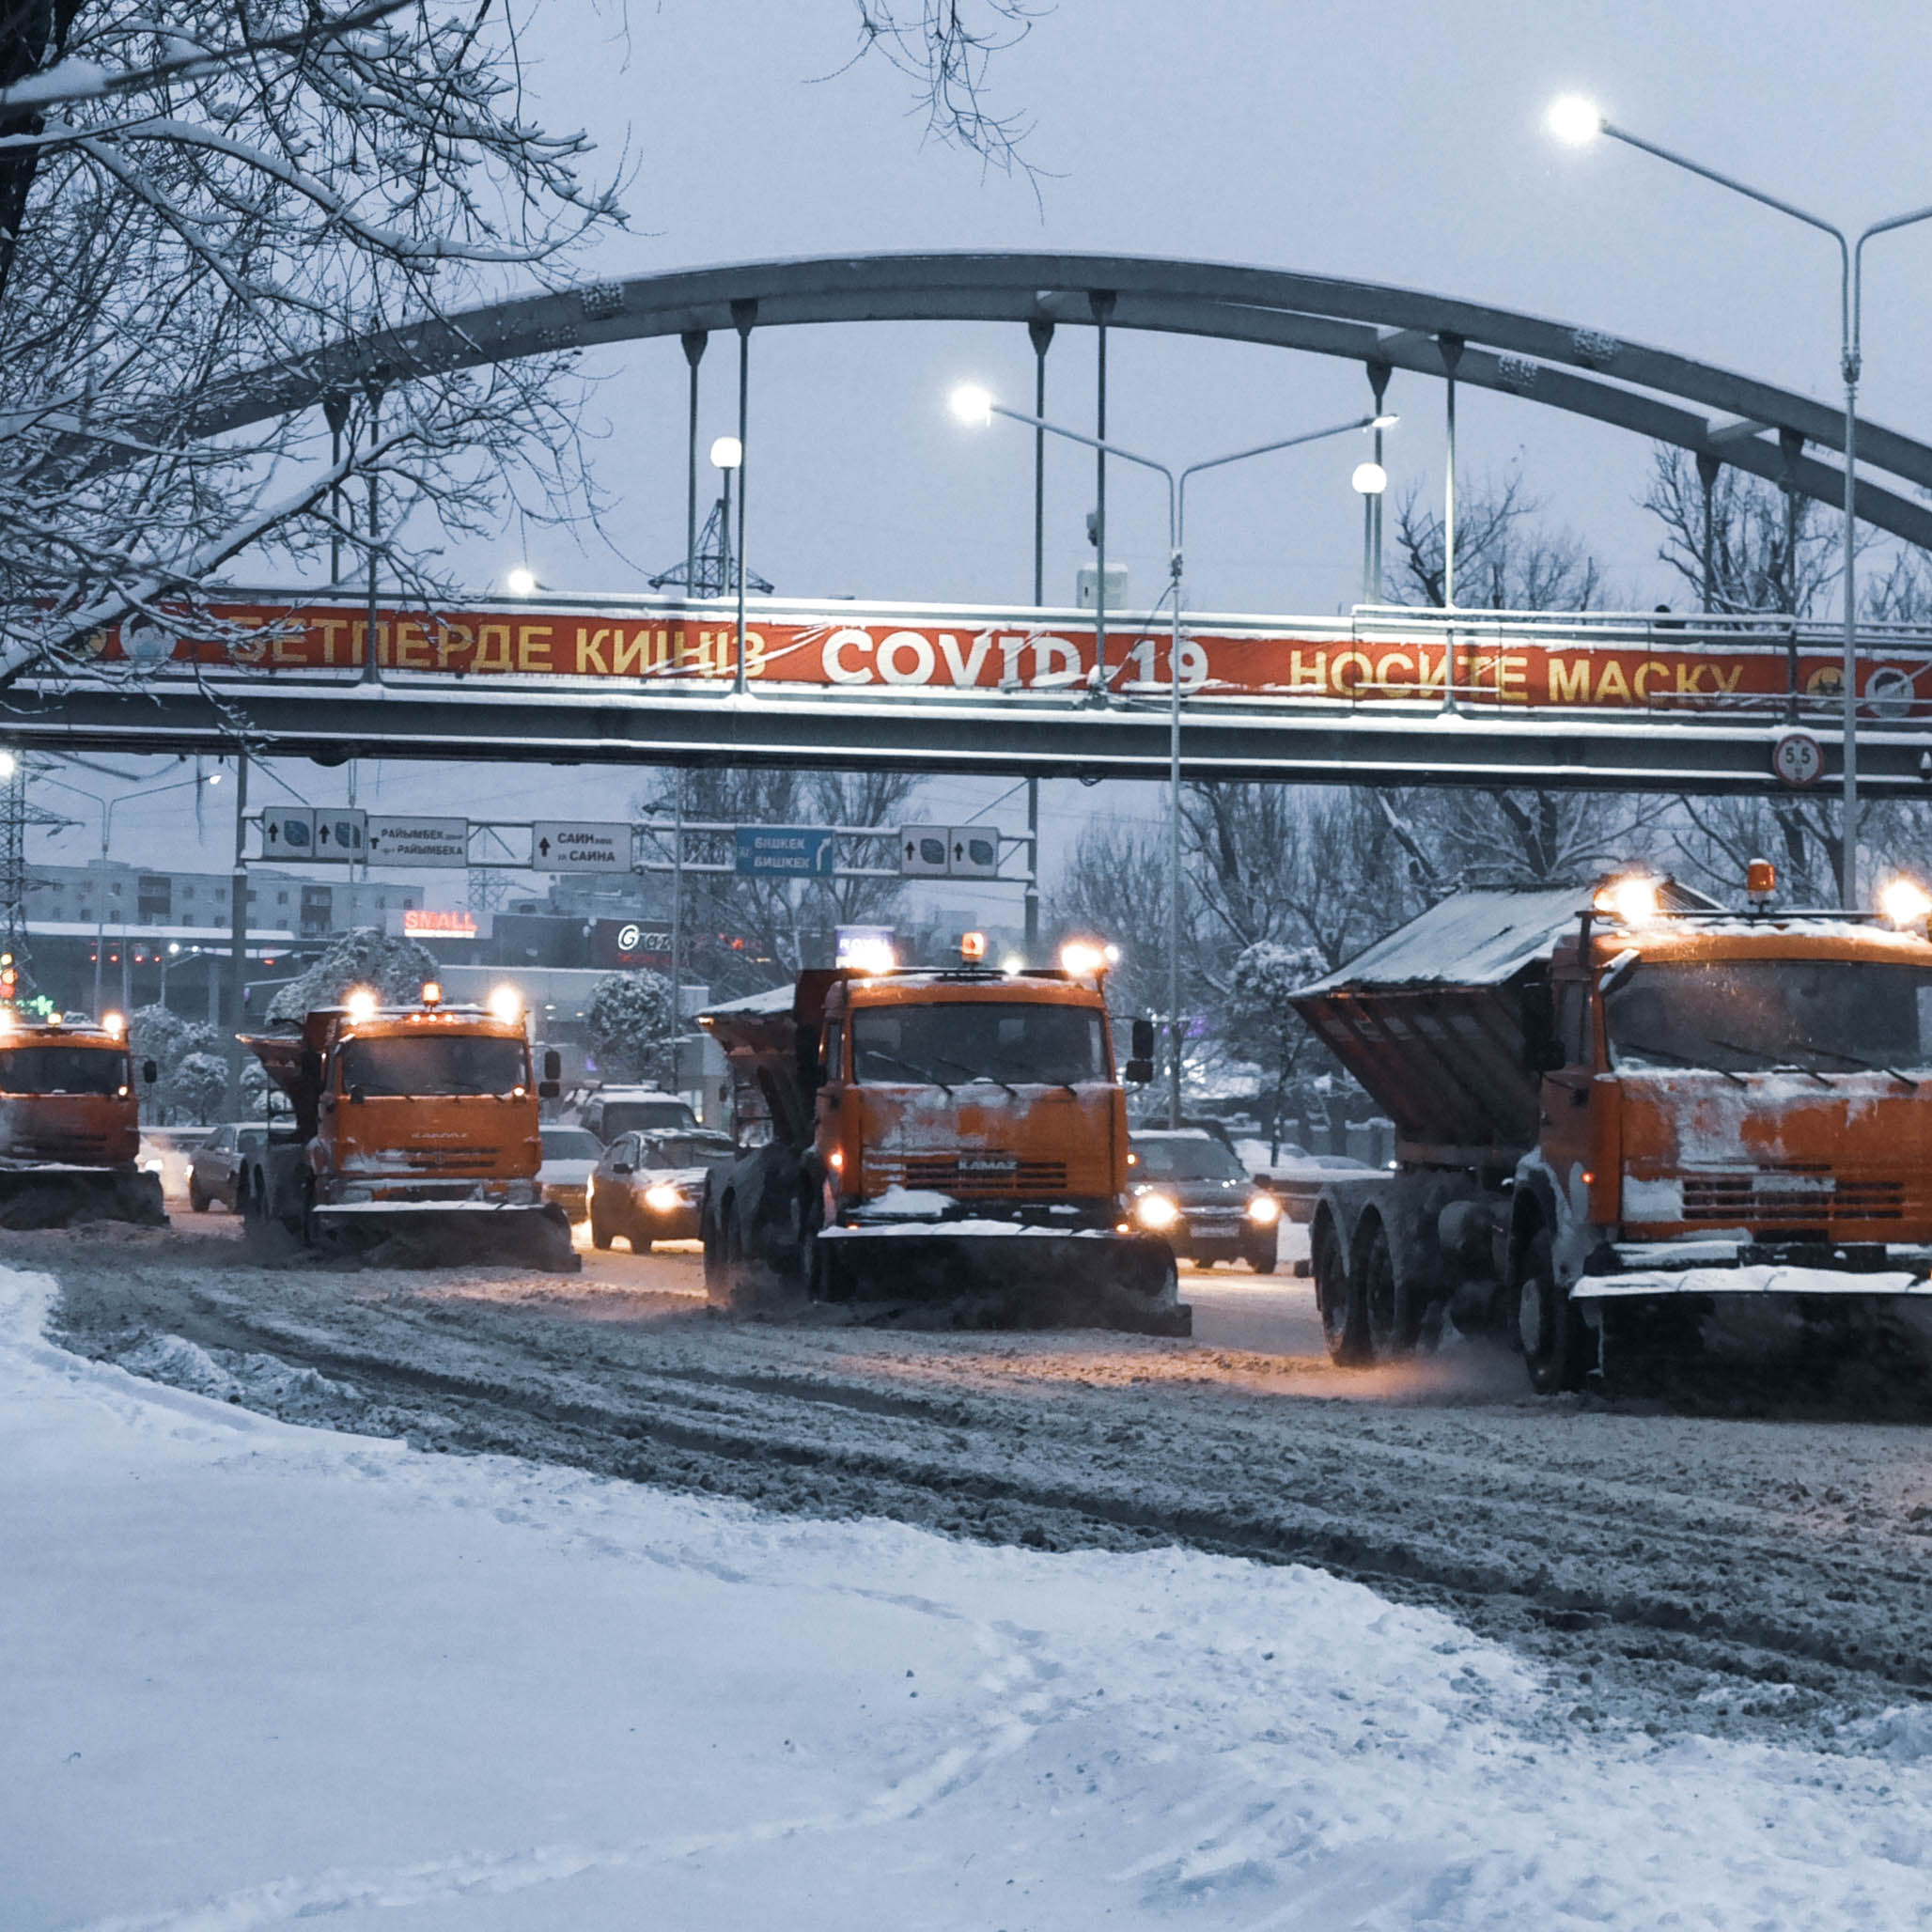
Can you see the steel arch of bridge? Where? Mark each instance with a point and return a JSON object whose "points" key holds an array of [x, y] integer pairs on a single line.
{"points": [[1715, 413]]}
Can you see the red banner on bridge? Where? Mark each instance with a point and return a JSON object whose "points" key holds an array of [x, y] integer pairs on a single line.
{"points": [[1668, 665]]}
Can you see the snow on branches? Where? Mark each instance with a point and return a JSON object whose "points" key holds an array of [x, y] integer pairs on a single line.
{"points": [[233, 191]]}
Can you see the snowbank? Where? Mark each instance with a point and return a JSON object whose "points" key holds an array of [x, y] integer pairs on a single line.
{"points": [[257, 1674]]}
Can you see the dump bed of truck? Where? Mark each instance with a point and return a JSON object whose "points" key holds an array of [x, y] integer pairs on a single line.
{"points": [[1432, 1019]]}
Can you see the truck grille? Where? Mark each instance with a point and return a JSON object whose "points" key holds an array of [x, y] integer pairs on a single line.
{"points": [[983, 1177], [450, 1160], [1789, 1198]]}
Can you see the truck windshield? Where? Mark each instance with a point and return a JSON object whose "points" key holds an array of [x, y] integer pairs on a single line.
{"points": [[63, 1070], [432, 1063], [1186, 1160], [957, 1041], [1739, 1016]]}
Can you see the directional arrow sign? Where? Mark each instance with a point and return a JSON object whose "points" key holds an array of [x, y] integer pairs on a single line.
{"points": [[786, 851], [579, 845], [924, 851], [419, 842], [340, 834], [287, 832], [976, 852]]}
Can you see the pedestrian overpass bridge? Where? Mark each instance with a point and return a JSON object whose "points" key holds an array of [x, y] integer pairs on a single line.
{"points": [[1384, 694]]}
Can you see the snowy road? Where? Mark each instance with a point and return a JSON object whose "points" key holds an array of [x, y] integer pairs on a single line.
{"points": [[1767, 1576]]}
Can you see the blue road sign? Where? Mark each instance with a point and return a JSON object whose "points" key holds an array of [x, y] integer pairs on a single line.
{"points": [[786, 851]]}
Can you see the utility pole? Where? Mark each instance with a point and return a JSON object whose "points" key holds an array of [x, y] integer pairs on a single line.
{"points": [[238, 934]]}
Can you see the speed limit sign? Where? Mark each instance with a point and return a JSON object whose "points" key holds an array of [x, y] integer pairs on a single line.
{"points": [[1797, 759]]}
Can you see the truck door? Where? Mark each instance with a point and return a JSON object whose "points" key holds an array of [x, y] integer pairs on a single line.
{"points": [[1565, 1089]]}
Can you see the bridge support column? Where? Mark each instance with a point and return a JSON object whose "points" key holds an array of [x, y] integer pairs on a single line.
{"points": [[743, 314], [1040, 332], [1451, 347], [693, 341], [1101, 302], [1707, 468], [1379, 374]]}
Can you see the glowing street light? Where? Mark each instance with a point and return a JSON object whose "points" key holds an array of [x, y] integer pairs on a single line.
{"points": [[971, 405], [1573, 120], [1577, 121], [727, 453], [520, 581]]}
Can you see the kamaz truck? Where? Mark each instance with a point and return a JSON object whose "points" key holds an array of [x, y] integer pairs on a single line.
{"points": [[1626, 1116], [950, 1140], [70, 1124], [418, 1119]]}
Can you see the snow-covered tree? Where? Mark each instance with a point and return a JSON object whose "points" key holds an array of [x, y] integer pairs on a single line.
{"points": [[629, 1024], [1263, 1022], [200, 1081], [217, 208], [394, 969]]}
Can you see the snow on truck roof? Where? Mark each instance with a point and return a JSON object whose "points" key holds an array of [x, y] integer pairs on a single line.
{"points": [[1476, 937]]}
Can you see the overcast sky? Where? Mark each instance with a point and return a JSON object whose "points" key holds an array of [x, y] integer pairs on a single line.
{"points": [[1401, 143]]}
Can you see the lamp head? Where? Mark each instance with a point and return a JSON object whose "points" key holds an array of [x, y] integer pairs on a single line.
{"points": [[727, 453], [1370, 479], [1574, 121], [971, 405], [1385, 421], [520, 581]]}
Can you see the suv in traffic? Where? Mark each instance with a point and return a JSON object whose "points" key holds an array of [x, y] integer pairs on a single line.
{"points": [[612, 1110]]}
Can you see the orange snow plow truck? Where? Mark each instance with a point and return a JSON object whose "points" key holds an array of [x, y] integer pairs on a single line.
{"points": [[1627, 1119], [70, 1124], [417, 1120], [953, 1138]]}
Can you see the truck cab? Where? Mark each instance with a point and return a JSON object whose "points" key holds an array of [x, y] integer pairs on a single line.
{"points": [[404, 1113], [69, 1123]]}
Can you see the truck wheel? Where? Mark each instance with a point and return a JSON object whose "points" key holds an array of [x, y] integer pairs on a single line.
{"points": [[197, 1199], [1392, 1321], [601, 1237], [1555, 1338], [1343, 1313]]}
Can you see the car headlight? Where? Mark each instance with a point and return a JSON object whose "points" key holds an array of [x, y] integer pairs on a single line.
{"points": [[1264, 1210], [663, 1198], [1155, 1212]]}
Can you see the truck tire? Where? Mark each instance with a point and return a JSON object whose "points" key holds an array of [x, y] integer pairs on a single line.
{"points": [[1556, 1341], [197, 1199], [1390, 1305], [1343, 1314]]}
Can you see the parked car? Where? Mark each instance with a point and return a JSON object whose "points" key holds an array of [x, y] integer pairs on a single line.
{"points": [[650, 1186], [570, 1154], [619, 1110], [165, 1151], [1186, 1185], [214, 1168]]}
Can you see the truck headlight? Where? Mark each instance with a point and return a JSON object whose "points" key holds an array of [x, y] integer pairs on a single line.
{"points": [[1155, 1212], [663, 1198], [1264, 1210]]}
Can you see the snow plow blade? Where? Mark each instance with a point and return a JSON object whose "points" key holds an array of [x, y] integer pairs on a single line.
{"points": [[1010, 1277], [406, 1234], [56, 1196]]}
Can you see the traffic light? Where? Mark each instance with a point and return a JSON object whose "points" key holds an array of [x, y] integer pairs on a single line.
{"points": [[10, 980]]}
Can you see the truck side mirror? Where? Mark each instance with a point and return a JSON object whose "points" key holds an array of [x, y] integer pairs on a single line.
{"points": [[1142, 1044], [357, 1096], [149, 1071], [553, 1064], [1138, 1072], [312, 1068], [811, 1069], [549, 1089], [1547, 1054]]}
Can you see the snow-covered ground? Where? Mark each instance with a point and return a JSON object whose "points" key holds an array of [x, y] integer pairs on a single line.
{"points": [[257, 1673]]}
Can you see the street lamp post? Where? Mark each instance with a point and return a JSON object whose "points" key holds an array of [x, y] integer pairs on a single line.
{"points": [[975, 406], [107, 805], [1577, 121], [1370, 479]]}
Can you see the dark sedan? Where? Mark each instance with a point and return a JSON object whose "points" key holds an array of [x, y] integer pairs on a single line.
{"points": [[650, 1186], [1189, 1188]]}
